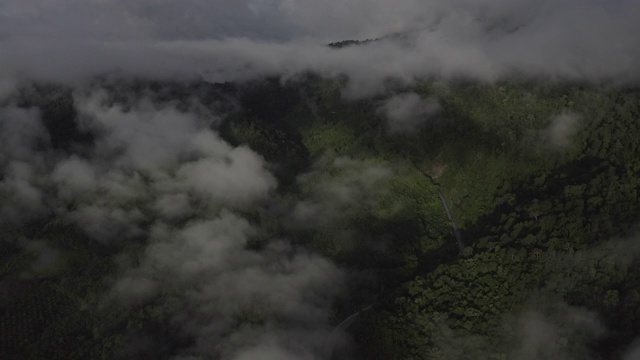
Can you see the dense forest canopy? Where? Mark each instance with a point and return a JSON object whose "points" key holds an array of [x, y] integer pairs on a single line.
{"points": [[213, 181], [547, 207]]}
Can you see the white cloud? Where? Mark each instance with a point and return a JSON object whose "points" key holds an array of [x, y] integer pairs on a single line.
{"points": [[161, 177], [173, 206], [407, 112], [20, 132], [143, 139], [566, 39], [22, 199], [566, 335], [74, 177], [331, 199], [562, 128], [227, 174], [237, 303]]}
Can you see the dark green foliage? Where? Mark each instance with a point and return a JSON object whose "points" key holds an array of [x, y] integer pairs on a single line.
{"points": [[269, 100], [58, 114], [549, 234], [27, 310], [188, 96], [525, 206], [345, 43], [279, 146], [542, 222]]}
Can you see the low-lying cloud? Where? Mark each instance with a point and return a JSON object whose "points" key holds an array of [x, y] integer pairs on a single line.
{"points": [[336, 198], [21, 133], [559, 133], [163, 178], [488, 40], [407, 112], [236, 303]]}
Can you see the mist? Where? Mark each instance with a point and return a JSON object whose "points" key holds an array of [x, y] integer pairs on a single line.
{"points": [[161, 177], [159, 183], [408, 112], [218, 41]]}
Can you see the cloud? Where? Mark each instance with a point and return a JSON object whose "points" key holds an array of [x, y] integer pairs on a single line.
{"points": [[120, 19], [7, 87], [237, 303], [406, 112], [74, 176], [562, 128], [21, 133], [147, 138], [22, 165], [163, 178], [633, 353], [350, 187], [223, 41], [147, 161], [225, 173], [564, 335], [551, 329], [548, 324]]}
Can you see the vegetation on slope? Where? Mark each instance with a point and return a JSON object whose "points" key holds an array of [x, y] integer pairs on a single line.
{"points": [[543, 181]]}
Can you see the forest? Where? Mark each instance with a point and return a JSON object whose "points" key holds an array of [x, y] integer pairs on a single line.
{"points": [[542, 180]]}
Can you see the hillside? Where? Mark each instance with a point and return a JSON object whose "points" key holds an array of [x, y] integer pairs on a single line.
{"points": [[542, 180]]}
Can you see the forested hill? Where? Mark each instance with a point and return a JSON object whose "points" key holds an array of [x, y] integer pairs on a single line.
{"points": [[542, 180]]}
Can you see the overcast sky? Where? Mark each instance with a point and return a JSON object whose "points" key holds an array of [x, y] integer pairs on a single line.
{"points": [[229, 40], [280, 20]]}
